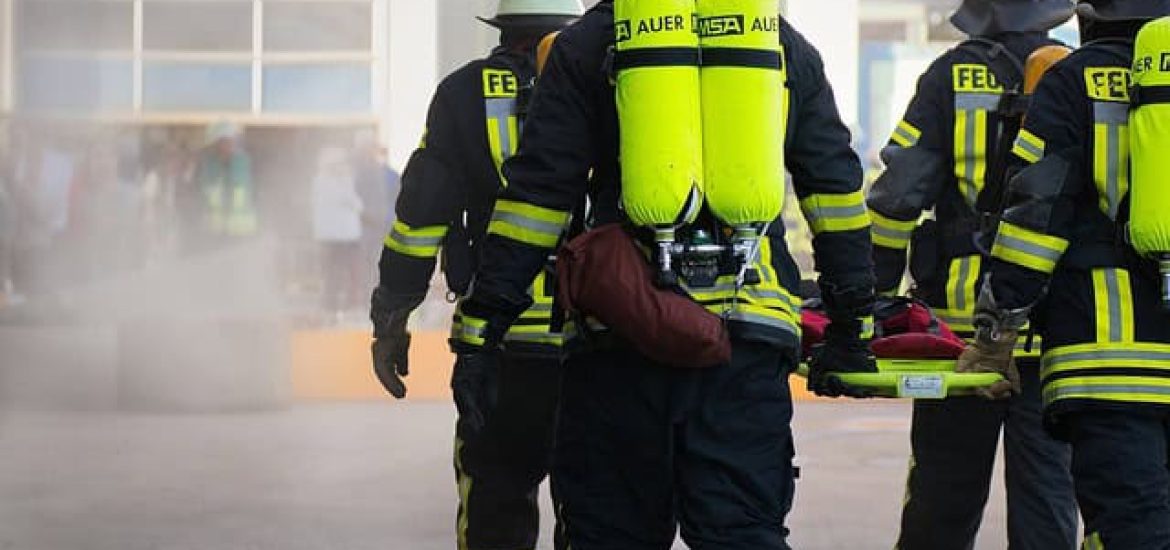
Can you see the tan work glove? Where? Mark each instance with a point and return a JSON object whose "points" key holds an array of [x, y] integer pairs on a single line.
{"points": [[993, 354]]}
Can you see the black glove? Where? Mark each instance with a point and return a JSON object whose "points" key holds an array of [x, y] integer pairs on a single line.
{"points": [[391, 347], [846, 350], [475, 385]]}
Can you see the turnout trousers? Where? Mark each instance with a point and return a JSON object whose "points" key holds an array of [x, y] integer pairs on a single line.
{"points": [[644, 450], [1120, 464], [954, 443], [499, 469]]}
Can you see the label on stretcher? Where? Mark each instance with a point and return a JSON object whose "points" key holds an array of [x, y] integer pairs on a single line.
{"points": [[922, 386]]}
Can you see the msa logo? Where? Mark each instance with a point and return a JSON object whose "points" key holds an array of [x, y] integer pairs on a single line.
{"points": [[1146, 64], [721, 25], [621, 31]]}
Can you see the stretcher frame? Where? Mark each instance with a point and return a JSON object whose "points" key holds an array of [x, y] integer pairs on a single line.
{"points": [[915, 379]]}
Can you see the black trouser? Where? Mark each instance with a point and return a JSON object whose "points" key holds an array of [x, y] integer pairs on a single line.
{"points": [[642, 449], [499, 469], [954, 443], [1120, 463]]}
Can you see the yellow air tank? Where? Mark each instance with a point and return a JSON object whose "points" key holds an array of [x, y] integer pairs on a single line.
{"points": [[1149, 131], [657, 73], [744, 109]]}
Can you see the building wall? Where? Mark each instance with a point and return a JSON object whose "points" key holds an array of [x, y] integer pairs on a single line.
{"points": [[412, 74], [6, 54]]}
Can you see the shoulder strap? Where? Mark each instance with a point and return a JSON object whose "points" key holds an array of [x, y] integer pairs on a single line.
{"points": [[1009, 70]]}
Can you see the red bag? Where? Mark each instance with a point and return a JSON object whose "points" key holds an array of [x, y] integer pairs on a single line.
{"points": [[603, 274], [905, 329]]}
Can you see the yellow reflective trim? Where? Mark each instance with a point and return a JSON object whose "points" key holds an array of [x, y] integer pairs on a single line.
{"points": [[836, 212], [1028, 248], [495, 144], [1113, 305], [532, 211], [980, 153], [961, 281], [1093, 542], [464, 494], [470, 330], [891, 233], [962, 156], [1128, 389], [422, 242], [906, 134], [527, 223], [1029, 147]]}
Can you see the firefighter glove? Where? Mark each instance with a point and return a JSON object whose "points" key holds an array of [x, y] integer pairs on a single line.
{"points": [[845, 351], [475, 386], [391, 347]]}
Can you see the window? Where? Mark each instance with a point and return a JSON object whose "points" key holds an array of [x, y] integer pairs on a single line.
{"points": [[75, 25], [316, 26], [66, 84], [201, 26], [196, 86], [320, 88]]}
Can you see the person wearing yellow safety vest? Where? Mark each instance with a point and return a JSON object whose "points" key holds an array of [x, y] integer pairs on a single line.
{"points": [[445, 202], [942, 157], [643, 447], [1064, 255], [224, 178]]}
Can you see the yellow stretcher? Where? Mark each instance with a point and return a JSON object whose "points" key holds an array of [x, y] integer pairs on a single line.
{"points": [[916, 379]]}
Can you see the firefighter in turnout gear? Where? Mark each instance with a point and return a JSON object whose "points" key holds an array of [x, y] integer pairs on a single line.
{"points": [[1064, 256], [943, 157], [502, 452], [642, 446]]}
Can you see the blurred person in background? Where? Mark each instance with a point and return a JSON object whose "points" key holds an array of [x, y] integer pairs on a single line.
{"points": [[502, 452], [337, 228], [942, 156], [377, 184], [224, 180], [42, 183]]}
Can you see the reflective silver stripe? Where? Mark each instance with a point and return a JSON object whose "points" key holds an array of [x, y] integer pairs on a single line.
{"points": [[891, 233], [408, 240], [753, 318], [501, 109], [1114, 116], [909, 139], [532, 337], [1112, 357], [539, 307], [1032, 149], [1107, 112], [976, 102], [1053, 393], [538, 226], [839, 212], [959, 300], [704, 294], [1113, 303], [1029, 248]]}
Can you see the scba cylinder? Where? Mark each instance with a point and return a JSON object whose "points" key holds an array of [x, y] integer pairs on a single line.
{"points": [[1149, 130], [744, 104], [658, 103]]}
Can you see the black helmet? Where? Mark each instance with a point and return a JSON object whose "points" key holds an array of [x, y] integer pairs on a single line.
{"points": [[988, 17], [1122, 10]]}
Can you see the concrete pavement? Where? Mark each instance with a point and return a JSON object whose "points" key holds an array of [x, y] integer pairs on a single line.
{"points": [[357, 476]]}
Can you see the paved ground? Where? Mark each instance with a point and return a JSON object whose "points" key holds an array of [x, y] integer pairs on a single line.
{"points": [[358, 476]]}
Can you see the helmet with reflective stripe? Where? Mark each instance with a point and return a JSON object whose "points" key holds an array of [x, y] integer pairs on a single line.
{"points": [[988, 17], [535, 14]]}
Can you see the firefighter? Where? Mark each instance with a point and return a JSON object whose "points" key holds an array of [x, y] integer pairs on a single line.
{"points": [[643, 447], [942, 157], [1062, 257], [448, 188]]}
